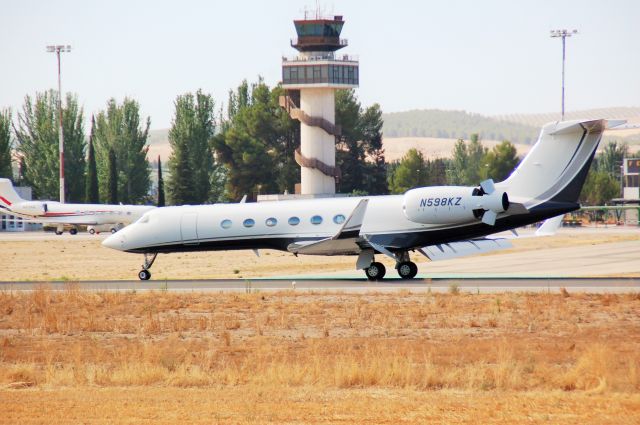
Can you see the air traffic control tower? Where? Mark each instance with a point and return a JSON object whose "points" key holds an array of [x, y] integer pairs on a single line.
{"points": [[310, 80]]}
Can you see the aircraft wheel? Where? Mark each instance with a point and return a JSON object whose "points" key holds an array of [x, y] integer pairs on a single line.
{"points": [[144, 274], [113, 230], [92, 231], [73, 231], [375, 271], [407, 269]]}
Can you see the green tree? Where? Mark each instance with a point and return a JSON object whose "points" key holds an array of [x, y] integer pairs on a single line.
{"points": [[611, 157], [360, 155], [120, 130], [500, 162], [256, 143], [5, 144], [476, 163], [112, 180], [456, 174], [410, 172], [599, 188], [92, 195], [191, 163], [467, 163], [37, 143], [161, 201]]}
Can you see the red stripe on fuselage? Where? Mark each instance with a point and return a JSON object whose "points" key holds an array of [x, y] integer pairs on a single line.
{"points": [[5, 201]]}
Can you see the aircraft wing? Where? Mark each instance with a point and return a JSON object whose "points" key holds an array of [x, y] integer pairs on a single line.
{"points": [[342, 243], [446, 251]]}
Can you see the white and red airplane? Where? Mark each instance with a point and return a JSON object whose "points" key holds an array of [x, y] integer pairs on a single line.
{"points": [[437, 222], [50, 212]]}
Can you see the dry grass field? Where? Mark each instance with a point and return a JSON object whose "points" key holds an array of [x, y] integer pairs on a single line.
{"points": [[76, 356]]}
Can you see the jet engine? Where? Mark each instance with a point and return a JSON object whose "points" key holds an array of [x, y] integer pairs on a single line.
{"points": [[32, 208], [455, 204]]}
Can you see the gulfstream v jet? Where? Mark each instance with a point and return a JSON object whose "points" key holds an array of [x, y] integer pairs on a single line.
{"points": [[57, 214], [437, 222]]}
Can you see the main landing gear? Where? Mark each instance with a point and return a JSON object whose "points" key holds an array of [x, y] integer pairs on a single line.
{"points": [[406, 268], [145, 274], [375, 271]]}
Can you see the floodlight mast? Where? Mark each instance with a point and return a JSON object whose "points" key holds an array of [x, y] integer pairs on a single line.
{"points": [[563, 34], [57, 49]]}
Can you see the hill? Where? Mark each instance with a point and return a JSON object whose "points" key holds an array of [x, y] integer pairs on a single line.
{"points": [[455, 124], [632, 114]]}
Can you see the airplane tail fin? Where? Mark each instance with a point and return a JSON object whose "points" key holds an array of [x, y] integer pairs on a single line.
{"points": [[556, 167], [8, 195]]}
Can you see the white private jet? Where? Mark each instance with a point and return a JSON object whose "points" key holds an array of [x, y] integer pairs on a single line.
{"points": [[55, 213], [437, 222]]}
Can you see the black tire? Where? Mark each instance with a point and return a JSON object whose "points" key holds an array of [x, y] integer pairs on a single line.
{"points": [[144, 274], [375, 271], [113, 230], [407, 269], [58, 232], [73, 231], [92, 231]]}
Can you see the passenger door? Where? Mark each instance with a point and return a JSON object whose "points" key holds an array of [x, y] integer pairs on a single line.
{"points": [[188, 228]]}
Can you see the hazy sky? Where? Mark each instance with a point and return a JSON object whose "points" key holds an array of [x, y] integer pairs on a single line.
{"points": [[491, 57]]}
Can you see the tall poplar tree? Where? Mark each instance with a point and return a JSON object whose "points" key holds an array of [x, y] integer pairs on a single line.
{"points": [[161, 201], [112, 181], [191, 162], [5, 144], [119, 129], [37, 142], [92, 195]]}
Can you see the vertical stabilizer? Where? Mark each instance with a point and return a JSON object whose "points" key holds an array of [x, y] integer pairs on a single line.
{"points": [[8, 195], [556, 167]]}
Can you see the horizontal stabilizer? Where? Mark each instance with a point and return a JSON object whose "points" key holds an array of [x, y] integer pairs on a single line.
{"points": [[550, 226], [463, 248]]}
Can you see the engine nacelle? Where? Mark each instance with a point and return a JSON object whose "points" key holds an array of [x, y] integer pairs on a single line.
{"points": [[32, 208], [451, 204]]}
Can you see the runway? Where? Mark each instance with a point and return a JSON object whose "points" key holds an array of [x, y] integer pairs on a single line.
{"points": [[470, 285]]}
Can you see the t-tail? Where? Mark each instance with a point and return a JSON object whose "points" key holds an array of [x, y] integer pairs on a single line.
{"points": [[552, 174], [8, 195]]}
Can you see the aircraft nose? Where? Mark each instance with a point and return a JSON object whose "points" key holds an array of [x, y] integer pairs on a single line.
{"points": [[116, 241]]}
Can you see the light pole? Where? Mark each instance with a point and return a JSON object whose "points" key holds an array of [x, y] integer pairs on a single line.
{"points": [[57, 49], [563, 34]]}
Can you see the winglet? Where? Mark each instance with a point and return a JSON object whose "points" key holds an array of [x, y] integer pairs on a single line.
{"points": [[351, 227]]}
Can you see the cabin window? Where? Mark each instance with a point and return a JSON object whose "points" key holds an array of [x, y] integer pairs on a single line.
{"points": [[294, 221], [249, 222], [271, 221], [225, 224], [338, 219], [316, 219]]}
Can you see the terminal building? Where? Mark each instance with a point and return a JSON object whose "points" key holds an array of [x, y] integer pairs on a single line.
{"points": [[631, 189]]}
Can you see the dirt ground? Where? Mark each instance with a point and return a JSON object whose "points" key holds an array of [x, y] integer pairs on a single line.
{"points": [[70, 258]]}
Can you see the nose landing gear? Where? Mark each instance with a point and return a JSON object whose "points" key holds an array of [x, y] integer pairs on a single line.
{"points": [[149, 258]]}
